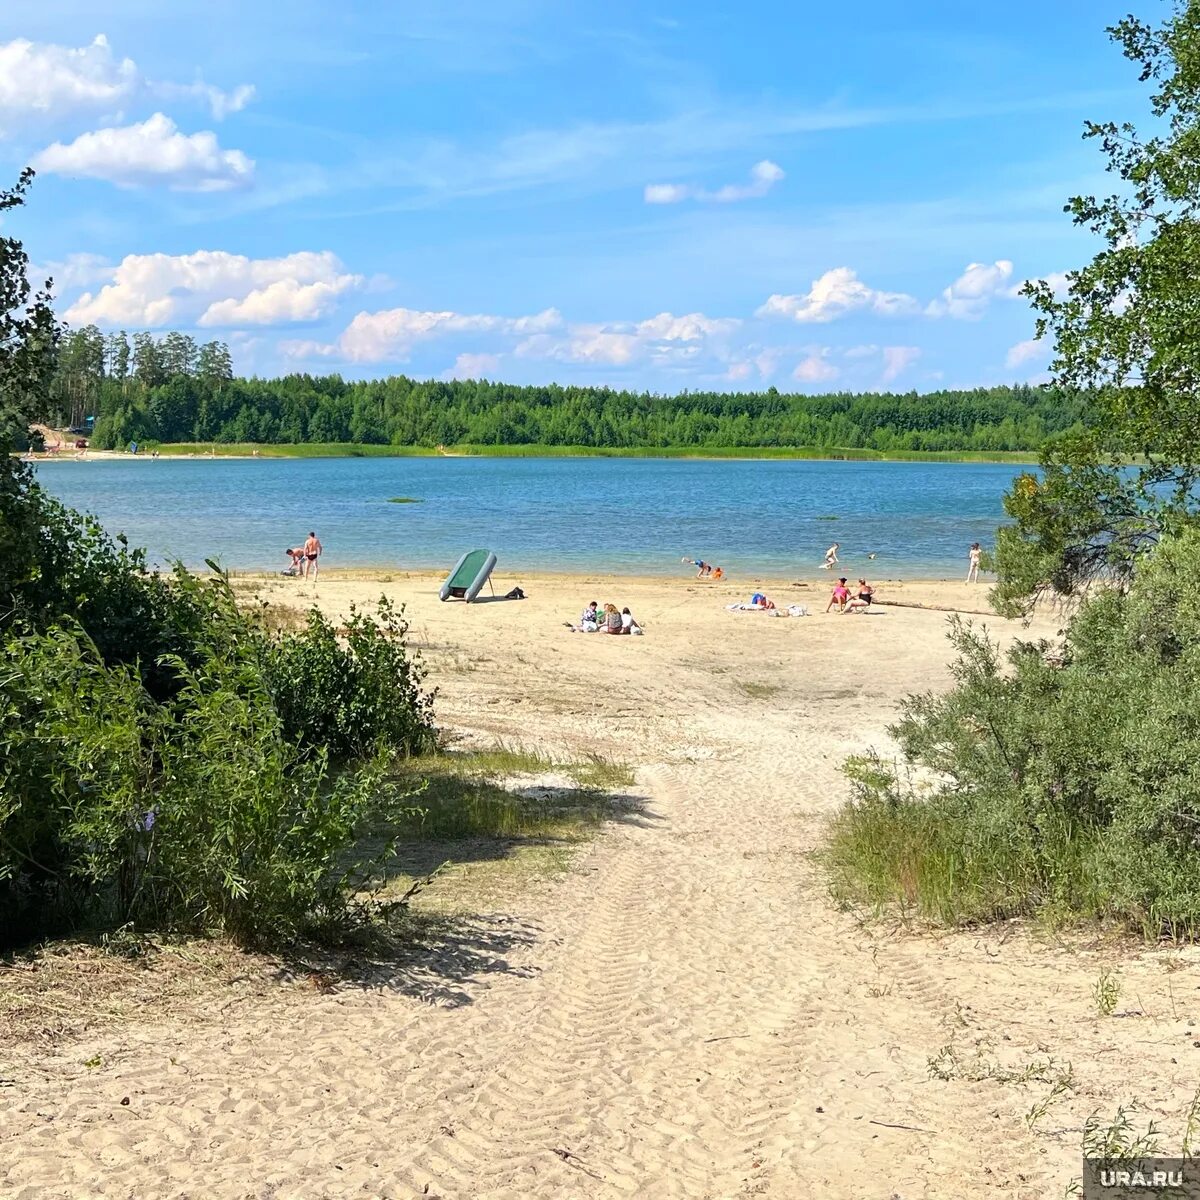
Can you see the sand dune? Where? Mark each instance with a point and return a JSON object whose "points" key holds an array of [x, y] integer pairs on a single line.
{"points": [[684, 1014]]}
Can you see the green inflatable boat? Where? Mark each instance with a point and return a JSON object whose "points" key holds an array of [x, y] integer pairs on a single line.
{"points": [[470, 573]]}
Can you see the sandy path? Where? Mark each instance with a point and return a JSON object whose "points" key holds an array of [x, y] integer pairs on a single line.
{"points": [[684, 1015]]}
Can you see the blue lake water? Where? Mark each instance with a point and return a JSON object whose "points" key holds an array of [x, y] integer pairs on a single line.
{"points": [[634, 516]]}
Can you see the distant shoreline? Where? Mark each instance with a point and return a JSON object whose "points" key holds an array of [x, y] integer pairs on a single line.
{"points": [[217, 452]]}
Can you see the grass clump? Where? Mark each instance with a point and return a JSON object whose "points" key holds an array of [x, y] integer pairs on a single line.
{"points": [[506, 794], [1063, 782]]}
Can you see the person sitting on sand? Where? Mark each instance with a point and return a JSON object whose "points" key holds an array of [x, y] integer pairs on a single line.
{"points": [[831, 556], [589, 620], [862, 601], [612, 620], [761, 600], [718, 573], [628, 622], [840, 596]]}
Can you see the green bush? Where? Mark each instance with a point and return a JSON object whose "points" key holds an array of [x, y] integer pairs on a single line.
{"points": [[1065, 783], [125, 692], [351, 698], [195, 814]]}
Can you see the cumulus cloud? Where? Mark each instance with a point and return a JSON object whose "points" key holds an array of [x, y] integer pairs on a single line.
{"points": [[1028, 351], [473, 366], [212, 287], [56, 81], [53, 82], [897, 360], [968, 297], [763, 177], [661, 338], [390, 335], [835, 294], [149, 153], [816, 367], [74, 271], [764, 363]]}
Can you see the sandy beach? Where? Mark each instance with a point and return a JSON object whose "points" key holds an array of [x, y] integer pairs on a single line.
{"points": [[683, 1012]]}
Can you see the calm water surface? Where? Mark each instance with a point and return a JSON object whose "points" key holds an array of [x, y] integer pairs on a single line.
{"points": [[636, 516]]}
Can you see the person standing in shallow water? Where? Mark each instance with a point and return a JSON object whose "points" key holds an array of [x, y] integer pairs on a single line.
{"points": [[973, 557], [312, 553]]}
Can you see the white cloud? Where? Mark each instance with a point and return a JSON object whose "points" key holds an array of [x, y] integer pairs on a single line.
{"points": [[763, 176], [152, 152], [74, 271], [212, 287], [53, 82], [56, 81], [661, 338], [897, 360], [473, 366], [390, 335], [299, 348], [281, 302], [968, 297], [765, 363], [835, 294], [1059, 281], [1030, 350], [219, 102], [666, 193], [816, 368]]}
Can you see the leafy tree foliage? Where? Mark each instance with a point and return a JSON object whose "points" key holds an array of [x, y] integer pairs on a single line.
{"points": [[1126, 331], [28, 333], [207, 404]]}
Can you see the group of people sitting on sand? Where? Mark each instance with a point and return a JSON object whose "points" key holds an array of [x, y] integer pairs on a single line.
{"points": [[610, 620], [845, 600]]}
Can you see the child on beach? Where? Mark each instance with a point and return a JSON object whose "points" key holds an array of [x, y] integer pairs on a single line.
{"points": [[973, 557]]}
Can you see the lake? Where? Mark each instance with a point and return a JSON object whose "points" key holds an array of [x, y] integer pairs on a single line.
{"points": [[635, 516]]}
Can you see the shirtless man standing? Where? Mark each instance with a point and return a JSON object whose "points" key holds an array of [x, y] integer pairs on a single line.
{"points": [[312, 552]]}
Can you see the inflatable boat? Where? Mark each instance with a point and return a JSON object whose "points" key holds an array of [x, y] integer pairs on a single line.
{"points": [[470, 573]]}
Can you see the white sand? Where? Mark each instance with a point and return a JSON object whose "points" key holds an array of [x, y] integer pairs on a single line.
{"points": [[684, 1014]]}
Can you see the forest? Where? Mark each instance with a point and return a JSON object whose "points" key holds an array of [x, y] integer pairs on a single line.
{"points": [[171, 389]]}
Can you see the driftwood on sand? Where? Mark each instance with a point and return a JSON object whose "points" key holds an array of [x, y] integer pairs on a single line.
{"points": [[982, 612]]}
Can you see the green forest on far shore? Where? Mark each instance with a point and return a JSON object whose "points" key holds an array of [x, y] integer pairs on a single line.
{"points": [[171, 390]]}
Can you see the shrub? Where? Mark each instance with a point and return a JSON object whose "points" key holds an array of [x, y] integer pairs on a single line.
{"points": [[125, 693], [1067, 784], [355, 697], [198, 813]]}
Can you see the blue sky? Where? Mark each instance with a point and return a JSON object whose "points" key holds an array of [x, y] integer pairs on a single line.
{"points": [[648, 195]]}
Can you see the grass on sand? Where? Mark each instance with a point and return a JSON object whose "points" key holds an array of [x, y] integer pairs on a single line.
{"points": [[487, 822]]}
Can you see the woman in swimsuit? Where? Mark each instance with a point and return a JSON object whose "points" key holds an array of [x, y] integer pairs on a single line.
{"points": [[840, 595]]}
